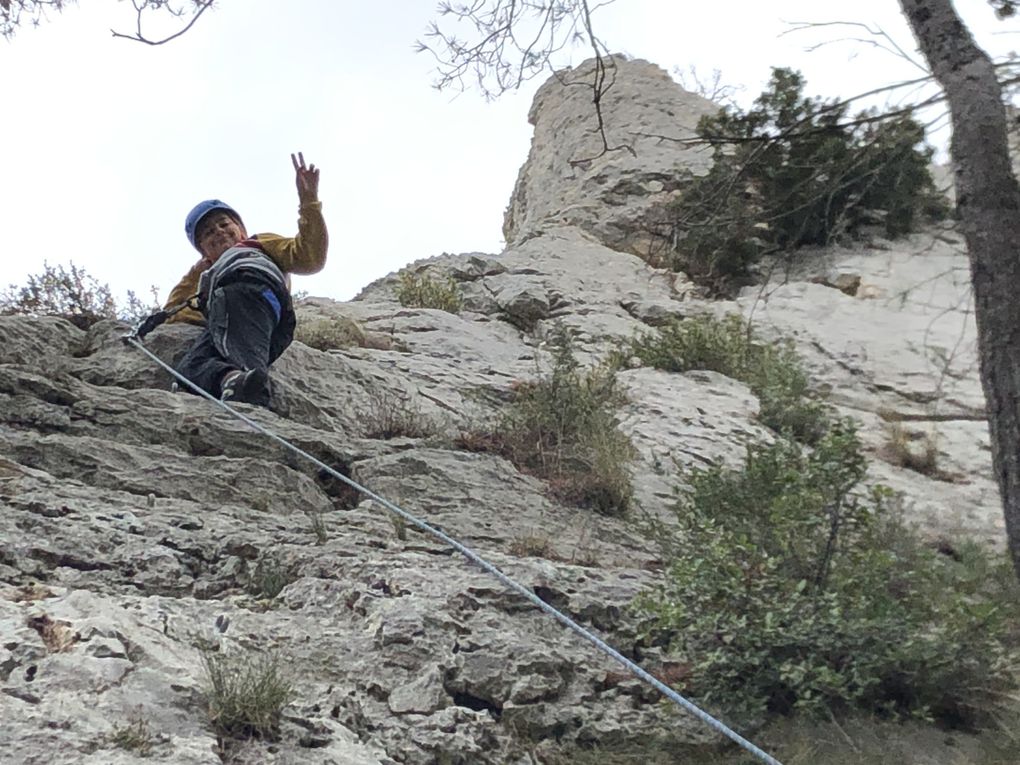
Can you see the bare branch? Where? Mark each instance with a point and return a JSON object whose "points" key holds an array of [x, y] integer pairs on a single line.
{"points": [[865, 119], [141, 6], [599, 89], [884, 41], [711, 89], [512, 41], [15, 14]]}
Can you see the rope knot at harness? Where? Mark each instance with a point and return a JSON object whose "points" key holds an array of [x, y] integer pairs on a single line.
{"points": [[149, 323]]}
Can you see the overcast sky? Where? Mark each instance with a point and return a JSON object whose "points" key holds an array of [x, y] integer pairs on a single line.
{"points": [[108, 143]]}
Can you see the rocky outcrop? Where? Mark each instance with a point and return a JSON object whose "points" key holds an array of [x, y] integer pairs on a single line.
{"points": [[135, 522], [607, 178], [134, 519], [900, 353]]}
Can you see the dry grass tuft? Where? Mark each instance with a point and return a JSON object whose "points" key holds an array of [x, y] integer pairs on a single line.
{"points": [[912, 449]]}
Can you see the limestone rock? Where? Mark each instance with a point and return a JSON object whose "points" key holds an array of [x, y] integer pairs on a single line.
{"points": [[909, 352], [135, 522], [569, 178]]}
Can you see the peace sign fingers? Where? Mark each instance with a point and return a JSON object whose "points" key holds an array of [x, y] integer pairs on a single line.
{"points": [[306, 178]]}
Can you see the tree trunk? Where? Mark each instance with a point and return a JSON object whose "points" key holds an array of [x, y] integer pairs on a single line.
{"points": [[988, 205]]}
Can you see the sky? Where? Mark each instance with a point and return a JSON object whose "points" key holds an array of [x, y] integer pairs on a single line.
{"points": [[108, 143]]}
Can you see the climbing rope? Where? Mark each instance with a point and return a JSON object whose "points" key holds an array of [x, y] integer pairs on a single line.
{"points": [[479, 561]]}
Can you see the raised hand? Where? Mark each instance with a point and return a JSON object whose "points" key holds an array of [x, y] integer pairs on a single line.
{"points": [[307, 179]]}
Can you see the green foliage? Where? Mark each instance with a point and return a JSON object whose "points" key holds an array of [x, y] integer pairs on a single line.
{"points": [[717, 227], [774, 372], [533, 545], [913, 450], [246, 692], [790, 590], [329, 334], [562, 428], [132, 737], [399, 524], [391, 414], [268, 578], [318, 526], [424, 291], [795, 171], [72, 294], [853, 740]]}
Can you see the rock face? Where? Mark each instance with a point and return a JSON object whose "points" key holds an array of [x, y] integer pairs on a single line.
{"points": [[606, 187], [900, 353], [140, 527]]}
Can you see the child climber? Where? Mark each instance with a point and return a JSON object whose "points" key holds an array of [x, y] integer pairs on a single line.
{"points": [[244, 292]]}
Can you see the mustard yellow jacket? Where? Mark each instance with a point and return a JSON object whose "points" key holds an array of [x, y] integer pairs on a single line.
{"points": [[302, 254]]}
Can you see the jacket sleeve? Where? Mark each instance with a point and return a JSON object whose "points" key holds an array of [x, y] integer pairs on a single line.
{"points": [[306, 252], [185, 288]]}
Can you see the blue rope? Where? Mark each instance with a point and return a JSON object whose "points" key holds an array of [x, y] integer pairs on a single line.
{"points": [[478, 560]]}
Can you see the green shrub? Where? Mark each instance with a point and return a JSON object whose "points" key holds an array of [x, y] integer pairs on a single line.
{"points": [[788, 590], [913, 450], [781, 385], [399, 524], [854, 740], [536, 544], [716, 226], [562, 428], [132, 737], [72, 294], [329, 334], [795, 171], [268, 578], [391, 414], [318, 526], [728, 346], [424, 291], [246, 692]]}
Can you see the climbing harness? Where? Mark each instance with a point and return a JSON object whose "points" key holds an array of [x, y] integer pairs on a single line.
{"points": [[242, 263], [230, 263], [135, 340], [233, 262]]}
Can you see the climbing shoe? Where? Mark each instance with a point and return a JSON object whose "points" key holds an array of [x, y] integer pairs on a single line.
{"points": [[248, 387]]}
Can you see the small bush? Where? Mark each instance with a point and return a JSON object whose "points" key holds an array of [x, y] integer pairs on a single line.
{"points": [[399, 524], [562, 428], [794, 171], [773, 372], [856, 740], [716, 228], [246, 693], [424, 291], [787, 590], [390, 414], [533, 545], [329, 334], [71, 293], [318, 526], [914, 451], [268, 578], [132, 737]]}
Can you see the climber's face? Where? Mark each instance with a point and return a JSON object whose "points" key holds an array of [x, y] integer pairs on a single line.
{"points": [[217, 233]]}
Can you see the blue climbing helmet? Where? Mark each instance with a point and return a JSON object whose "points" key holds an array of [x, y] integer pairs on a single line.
{"points": [[199, 211]]}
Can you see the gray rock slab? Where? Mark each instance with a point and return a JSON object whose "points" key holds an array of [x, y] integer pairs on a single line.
{"points": [[135, 522], [569, 178]]}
